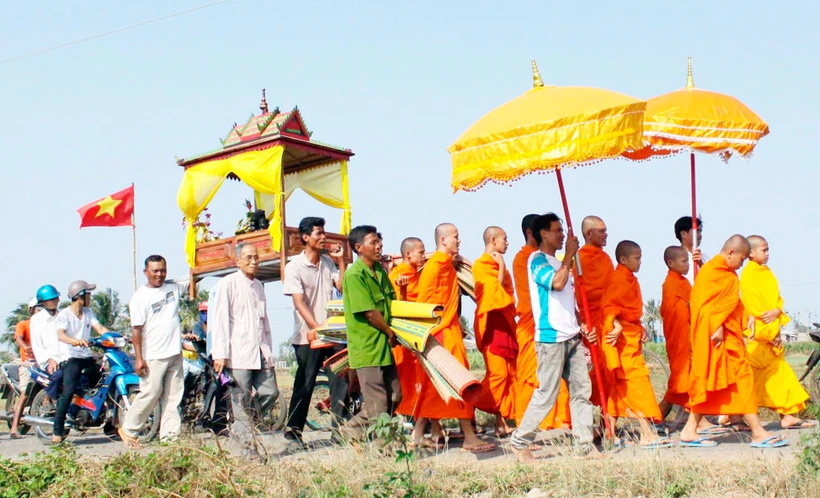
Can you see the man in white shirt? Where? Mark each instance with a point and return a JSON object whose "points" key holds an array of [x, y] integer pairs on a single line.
{"points": [[157, 339], [683, 232], [310, 279], [558, 346], [242, 343], [74, 326], [43, 325]]}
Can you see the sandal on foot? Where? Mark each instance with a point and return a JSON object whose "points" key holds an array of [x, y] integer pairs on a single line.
{"points": [[428, 444], [663, 442], [14, 435], [129, 442], [801, 424], [771, 442], [703, 442], [714, 430], [482, 448]]}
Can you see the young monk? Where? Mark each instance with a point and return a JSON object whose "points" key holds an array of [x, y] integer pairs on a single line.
{"points": [[775, 384], [675, 317], [720, 378], [597, 269], [495, 329], [630, 390], [405, 280], [526, 381], [438, 284]]}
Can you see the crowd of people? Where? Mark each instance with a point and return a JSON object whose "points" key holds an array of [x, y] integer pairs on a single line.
{"points": [[538, 328]]}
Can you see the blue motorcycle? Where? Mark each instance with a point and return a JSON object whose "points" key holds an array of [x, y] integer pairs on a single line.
{"points": [[100, 406]]}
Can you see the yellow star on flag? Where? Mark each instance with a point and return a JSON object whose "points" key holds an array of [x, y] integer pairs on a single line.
{"points": [[107, 206]]}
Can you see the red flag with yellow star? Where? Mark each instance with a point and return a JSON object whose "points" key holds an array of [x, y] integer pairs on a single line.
{"points": [[114, 210]]}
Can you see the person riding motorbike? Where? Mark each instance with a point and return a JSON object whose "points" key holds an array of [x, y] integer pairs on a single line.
{"points": [[74, 326], [22, 337]]}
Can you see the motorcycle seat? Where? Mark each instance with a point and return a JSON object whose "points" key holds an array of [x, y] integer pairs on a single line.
{"points": [[12, 371]]}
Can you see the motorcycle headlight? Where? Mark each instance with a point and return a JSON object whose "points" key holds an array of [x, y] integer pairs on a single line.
{"points": [[119, 342]]}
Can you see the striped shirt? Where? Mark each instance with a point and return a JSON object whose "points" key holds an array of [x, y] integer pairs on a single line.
{"points": [[553, 310]]}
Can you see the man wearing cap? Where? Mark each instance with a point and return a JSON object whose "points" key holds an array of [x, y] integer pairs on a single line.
{"points": [[155, 333], [22, 336], [74, 326]]}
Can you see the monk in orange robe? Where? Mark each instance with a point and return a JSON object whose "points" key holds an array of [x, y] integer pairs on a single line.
{"points": [[405, 280], [495, 329], [438, 284], [597, 268], [526, 381], [675, 316], [630, 390], [720, 378]]}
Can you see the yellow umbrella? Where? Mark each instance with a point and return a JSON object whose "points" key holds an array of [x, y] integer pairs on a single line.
{"points": [[546, 129], [693, 120]]}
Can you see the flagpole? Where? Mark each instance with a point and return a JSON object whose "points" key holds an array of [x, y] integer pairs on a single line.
{"points": [[134, 244]]}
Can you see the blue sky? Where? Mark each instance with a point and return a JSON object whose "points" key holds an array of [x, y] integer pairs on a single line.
{"points": [[397, 83]]}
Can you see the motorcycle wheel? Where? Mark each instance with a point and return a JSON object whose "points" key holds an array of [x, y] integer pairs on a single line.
{"points": [[44, 407], [319, 417], [278, 416], [151, 428], [10, 402]]}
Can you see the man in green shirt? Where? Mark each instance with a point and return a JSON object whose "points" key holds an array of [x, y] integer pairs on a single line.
{"points": [[367, 294]]}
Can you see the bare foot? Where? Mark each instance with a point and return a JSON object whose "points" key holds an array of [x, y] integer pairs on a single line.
{"points": [[523, 455], [792, 422]]}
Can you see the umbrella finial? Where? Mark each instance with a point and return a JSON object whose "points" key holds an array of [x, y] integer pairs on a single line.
{"points": [[536, 76], [690, 83]]}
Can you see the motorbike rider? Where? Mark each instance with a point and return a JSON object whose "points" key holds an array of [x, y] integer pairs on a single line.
{"points": [[22, 336], [43, 330], [74, 326]]}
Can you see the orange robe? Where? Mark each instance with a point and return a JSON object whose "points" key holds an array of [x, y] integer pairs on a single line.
{"points": [[676, 318], [438, 284], [720, 378], [630, 390], [597, 267], [406, 363], [526, 364], [495, 336]]}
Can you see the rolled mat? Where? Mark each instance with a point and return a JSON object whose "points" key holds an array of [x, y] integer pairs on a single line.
{"points": [[339, 363], [449, 377]]}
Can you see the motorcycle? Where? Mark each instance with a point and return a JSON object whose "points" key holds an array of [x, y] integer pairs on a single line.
{"points": [[101, 406], [9, 373], [199, 403]]}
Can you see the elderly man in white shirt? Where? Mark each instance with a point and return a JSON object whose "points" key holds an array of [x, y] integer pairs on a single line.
{"points": [[157, 339], [242, 343]]}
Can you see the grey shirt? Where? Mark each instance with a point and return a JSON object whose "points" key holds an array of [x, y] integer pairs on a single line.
{"points": [[317, 283]]}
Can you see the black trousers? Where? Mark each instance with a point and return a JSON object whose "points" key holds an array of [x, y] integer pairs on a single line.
{"points": [[72, 370], [308, 364]]}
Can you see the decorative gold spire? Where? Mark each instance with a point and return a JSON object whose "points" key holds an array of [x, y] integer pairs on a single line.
{"points": [[264, 104], [536, 76], [690, 83]]}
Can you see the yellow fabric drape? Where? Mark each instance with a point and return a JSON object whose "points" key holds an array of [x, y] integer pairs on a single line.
{"points": [[327, 184], [261, 170]]}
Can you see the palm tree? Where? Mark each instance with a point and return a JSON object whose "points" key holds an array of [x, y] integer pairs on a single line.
{"points": [[651, 318], [109, 310], [17, 315]]}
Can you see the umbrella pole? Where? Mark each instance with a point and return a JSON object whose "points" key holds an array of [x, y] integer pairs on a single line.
{"points": [[694, 211], [585, 308]]}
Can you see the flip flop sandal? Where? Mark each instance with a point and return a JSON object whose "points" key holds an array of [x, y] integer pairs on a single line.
{"points": [[703, 442], [663, 442], [13, 435], [772, 442], [427, 444], [801, 424], [714, 431], [484, 448], [129, 442]]}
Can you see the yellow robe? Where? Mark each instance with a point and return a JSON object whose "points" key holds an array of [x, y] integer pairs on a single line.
{"points": [[776, 386]]}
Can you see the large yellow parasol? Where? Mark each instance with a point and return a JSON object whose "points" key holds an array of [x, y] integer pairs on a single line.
{"points": [[695, 120], [546, 129]]}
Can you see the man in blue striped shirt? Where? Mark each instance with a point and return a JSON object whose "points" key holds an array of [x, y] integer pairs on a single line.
{"points": [[558, 346]]}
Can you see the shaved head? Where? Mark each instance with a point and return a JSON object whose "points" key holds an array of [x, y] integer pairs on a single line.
{"points": [[626, 248], [491, 232], [447, 240], [593, 229], [674, 252], [735, 251], [409, 244], [756, 241]]}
